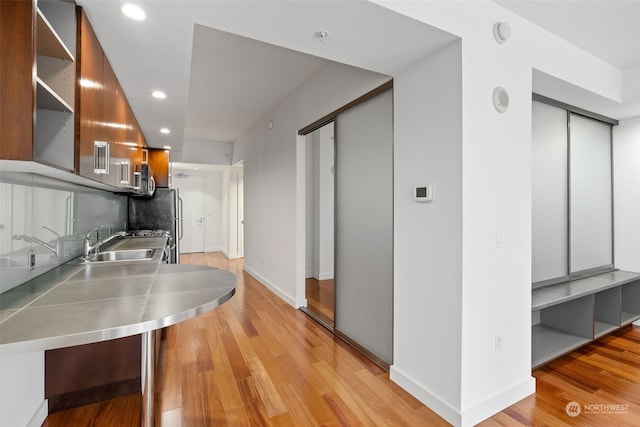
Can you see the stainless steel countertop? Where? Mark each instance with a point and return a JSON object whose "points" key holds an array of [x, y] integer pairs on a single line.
{"points": [[79, 303]]}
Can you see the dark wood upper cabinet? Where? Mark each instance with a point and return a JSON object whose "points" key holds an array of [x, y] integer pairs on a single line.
{"points": [[90, 93], [17, 79], [159, 164], [37, 47], [61, 102], [104, 116]]}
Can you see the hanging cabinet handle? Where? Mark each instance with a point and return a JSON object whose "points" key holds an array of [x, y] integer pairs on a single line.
{"points": [[101, 158]]}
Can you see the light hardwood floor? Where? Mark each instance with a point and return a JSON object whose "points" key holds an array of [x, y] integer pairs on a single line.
{"points": [[256, 361]]}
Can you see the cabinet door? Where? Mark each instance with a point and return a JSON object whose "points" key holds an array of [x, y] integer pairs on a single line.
{"points": [[17, 85], [159, 163], [111, 129], [89, 109]]}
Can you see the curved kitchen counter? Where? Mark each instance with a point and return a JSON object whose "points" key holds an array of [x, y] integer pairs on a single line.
{"points": [[80, 303]]}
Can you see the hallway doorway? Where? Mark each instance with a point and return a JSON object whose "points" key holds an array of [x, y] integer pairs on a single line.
{"points": [[191, 188]]}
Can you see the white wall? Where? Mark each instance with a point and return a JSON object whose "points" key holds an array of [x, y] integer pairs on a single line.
{"points": [[428, 236], [496, 192], [319, 195], [235, 215], [325, 202], [309, 212], [495, 287], [626, 180], [22, 401], [226, 176], [206, 152], [270, 175]]}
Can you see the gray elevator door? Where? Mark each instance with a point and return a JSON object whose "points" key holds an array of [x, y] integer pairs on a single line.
{"points": [[364, 225]]}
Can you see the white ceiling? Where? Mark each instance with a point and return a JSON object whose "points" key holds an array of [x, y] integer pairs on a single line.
{"points": [[235, 80], [220, 80], [609, 29]]}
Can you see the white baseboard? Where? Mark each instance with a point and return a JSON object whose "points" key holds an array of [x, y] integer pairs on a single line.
{"points": [[273, 288], [498, 402], [319, 276], [325, 276], [471, 416], [40, 415], [425, 396], [214, 249], [230, 256]]}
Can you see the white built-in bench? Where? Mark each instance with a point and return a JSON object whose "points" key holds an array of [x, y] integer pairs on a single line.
{"points": [[568, 315]]}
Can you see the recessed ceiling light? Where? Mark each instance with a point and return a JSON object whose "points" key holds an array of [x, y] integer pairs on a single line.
{"points": [[165, 130], [159, 94], [133, 12]]}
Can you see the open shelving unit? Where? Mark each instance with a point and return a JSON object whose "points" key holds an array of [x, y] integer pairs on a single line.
{"points": [[55, 83], [48, 99], [49, 42], [630, 303], [568, 315]]}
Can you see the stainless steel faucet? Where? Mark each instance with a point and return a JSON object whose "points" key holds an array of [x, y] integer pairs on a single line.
{"points": [[38, 241], [88, 247]]}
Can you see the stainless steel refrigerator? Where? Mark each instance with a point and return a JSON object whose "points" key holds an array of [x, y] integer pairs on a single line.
{"points": [[162, 212]]}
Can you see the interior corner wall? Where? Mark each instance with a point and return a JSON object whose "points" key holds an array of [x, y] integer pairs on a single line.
{"points": [[270, 186], [497, 165], [235, 175], [326, 202], [213, 208], [626, 193], [428, 235], [226, 244], [496, 191]]}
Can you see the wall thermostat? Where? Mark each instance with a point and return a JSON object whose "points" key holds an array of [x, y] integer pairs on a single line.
{"points": [[423, 193]]}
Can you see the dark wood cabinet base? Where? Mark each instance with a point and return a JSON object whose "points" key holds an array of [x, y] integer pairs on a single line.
{"points": [[79, 398], [90, 373]]}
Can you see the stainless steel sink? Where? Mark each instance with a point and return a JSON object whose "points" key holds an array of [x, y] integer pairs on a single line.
{"points": [[123, 255]]}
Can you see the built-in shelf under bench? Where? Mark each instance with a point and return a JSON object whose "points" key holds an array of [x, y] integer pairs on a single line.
{"points": [[568, 315]]}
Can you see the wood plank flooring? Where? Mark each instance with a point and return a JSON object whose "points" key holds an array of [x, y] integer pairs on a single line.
{"points": [[256, 361]]}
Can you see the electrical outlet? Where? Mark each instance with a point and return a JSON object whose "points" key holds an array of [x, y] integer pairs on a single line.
{"points": [[31, 261], [498, 343], [499, 238]]}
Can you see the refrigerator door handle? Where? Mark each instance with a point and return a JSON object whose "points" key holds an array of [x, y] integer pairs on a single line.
{"points": [[181, 218]]}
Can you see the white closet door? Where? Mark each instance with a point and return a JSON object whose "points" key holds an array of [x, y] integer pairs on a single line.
{"points": [[549, 193], [364, 225], [591, 194]]}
